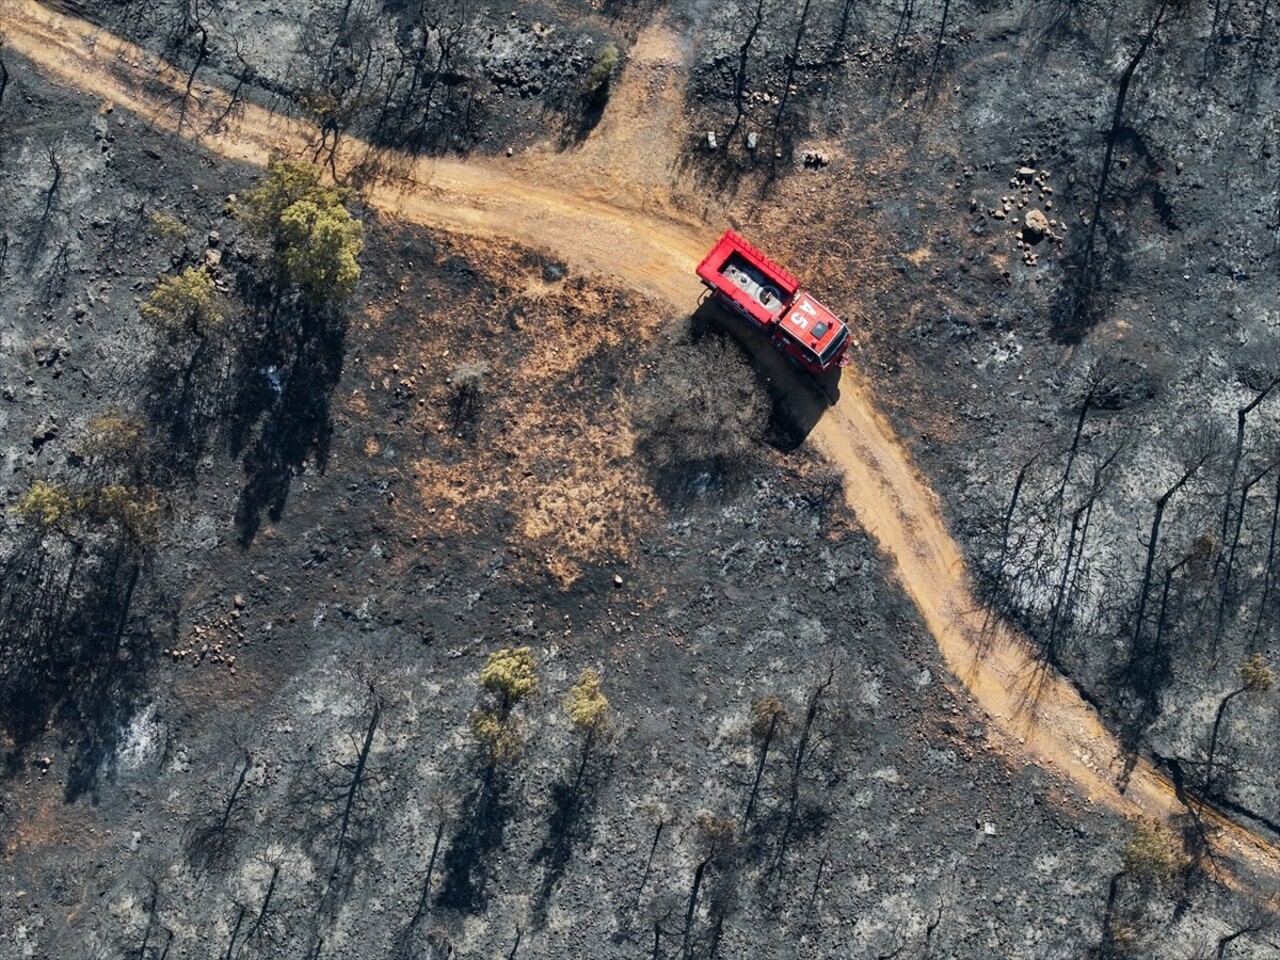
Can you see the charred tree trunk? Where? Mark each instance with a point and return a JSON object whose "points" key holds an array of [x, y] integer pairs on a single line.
{"points": [[938, 45], [245, 75], [1213, 737], [1117, 124], [765, 742], [740, 75], [846, 11], [797, 764], [792, 62], [202, 54], [1153, 543], [1008, 520], [235, 792], [699, 872], [1158, 644], [1224, 600], [1051, 646], [1075, 449], [1271, 557], [235, 932], [352, 792], [266, 905], [648, 863]]}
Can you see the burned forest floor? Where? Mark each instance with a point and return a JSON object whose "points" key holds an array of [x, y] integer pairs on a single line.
{"points": [[246, 627]]}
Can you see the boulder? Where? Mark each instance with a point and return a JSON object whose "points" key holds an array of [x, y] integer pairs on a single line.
{"points": [[1035, 226]]}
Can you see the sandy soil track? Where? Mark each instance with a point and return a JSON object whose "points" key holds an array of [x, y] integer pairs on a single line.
{"points": [[577, 208]]}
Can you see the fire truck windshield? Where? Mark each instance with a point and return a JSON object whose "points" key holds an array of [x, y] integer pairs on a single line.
{"points": [[833, 348]]}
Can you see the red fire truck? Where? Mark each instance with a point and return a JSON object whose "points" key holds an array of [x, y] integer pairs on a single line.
{"points": [[746, 281]]}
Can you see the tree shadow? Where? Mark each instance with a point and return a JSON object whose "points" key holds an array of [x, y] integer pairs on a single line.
{"points": [[568, 828], [575, 115], [281, 417], [185, 403], [72, 651], [211, 843], [465, 867]]}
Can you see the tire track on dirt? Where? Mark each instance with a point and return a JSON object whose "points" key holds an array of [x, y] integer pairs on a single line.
{"points": [[558, 204]]}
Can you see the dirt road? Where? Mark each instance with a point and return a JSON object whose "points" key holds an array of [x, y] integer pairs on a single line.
{"points": [[578, 207]]}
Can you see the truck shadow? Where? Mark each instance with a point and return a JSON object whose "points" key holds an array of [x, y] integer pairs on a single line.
{"points": [[799, 399]]}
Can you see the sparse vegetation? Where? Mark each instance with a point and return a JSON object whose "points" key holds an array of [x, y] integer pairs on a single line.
{"points": [[468, 384], [49, 504], [136, 509], [167, 227], [316, 243], [1256, 675], [1153, 852], [162, 682], [115, 438], [586, 704], [767, 715], [595, 84], [186, 303], [510, 674]]}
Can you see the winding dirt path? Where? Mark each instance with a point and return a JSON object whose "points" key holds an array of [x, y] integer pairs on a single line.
{"points": [[584, 208]]}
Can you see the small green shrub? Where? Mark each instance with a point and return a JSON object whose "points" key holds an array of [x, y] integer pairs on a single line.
{"points": [[49, 504], [1153, 852], [167, 228], [320, 246], [185, 303], [501, 738], [511, 674], [596, 81], [113, 436], [586, 704]]}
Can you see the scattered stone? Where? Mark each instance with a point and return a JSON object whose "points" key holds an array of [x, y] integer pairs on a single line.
{"points": [[998, 213], [1026, 174], [239, 601], [816, 159], [711, 140], [43, 434], [617, 579], [752, 140], [214, 238], [213, 258]]}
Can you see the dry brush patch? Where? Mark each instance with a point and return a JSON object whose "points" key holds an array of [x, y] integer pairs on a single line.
{"points": [[514, 388]]}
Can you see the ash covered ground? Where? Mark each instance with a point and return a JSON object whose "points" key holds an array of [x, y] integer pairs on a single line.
{"points": [[252, 734]]}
